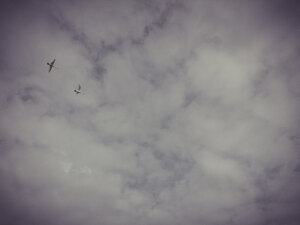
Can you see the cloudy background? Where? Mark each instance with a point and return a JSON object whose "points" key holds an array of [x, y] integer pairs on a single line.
{"points": [[190, 112]]}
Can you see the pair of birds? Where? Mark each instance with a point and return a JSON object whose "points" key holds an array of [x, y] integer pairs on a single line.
{"points": [[51, 65]]}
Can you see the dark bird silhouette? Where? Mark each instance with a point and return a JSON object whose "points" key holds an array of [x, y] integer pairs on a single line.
{"points": [[77, 91], [50, 65]]}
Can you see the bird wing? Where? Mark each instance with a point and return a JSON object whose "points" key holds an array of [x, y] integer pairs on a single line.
{"points": [[79, 87], [50, 68], [52, 63]]}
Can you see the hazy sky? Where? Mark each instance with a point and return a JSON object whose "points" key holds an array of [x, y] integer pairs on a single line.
{"points": [[189, 112]]}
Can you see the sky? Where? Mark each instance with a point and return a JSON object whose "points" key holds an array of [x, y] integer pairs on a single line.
{"points": [[189, 112]]}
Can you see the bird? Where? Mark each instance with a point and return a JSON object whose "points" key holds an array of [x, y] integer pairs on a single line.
{"points": [[77, 91], [51, 65]]}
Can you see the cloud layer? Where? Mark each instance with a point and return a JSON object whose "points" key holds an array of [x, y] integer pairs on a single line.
{"points": [[189, 112]]}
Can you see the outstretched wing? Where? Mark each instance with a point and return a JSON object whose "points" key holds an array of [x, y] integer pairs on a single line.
{"points": [[50, 68], [52, 63]]}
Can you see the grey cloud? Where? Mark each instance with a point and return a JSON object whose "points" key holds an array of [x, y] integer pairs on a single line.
{"points": [[189, 113], [164, 13]]}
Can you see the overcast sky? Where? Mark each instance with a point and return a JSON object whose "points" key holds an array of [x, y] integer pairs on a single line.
{"points": [[189, 112]]}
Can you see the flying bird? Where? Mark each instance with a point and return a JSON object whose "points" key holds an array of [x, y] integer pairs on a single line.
{"points": [[51, 65], [77, 91]]}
